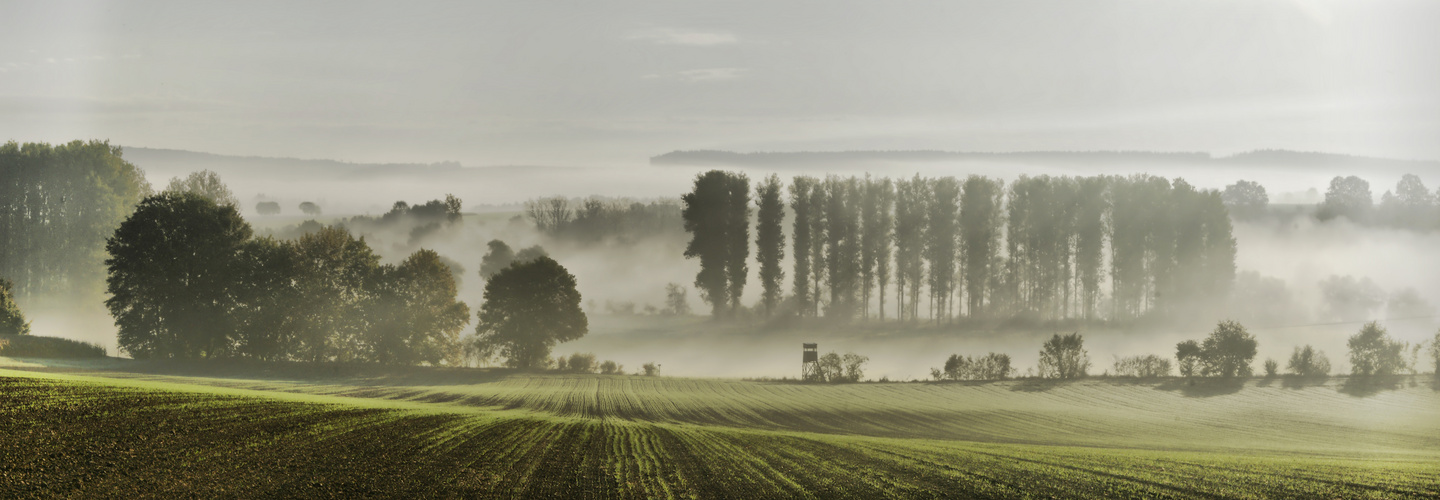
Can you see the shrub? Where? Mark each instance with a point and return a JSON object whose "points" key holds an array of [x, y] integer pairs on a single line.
{"points": [[12, 321], [1149, 366], [835, 368], [1064, 357], [651, 369], [1271, 367], [582, 363], [989, 367], [1373, 352], [611, 368], [560, 363], [1308, 362]]}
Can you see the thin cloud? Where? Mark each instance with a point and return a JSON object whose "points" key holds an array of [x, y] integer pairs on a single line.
{"points": [[670, 36]]}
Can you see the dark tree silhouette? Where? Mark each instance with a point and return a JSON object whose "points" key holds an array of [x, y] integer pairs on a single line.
{"points": [[719, 236], [800, 191], [910, 211], [1188, 354], [1246, 198], [419, 319], [172, 276], [529, 307], [1228, 351], [842, 246], [498, 257], [940, 243], [267, 208], [770, 241], [335, 275], [12, 321], [981, 215], [1347, 197], [310, 208]]}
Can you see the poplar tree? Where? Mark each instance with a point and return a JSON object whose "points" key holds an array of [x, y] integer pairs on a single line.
{"points": [[770, 241], [981, 214], [707, 220], [800, 204], [737, 238], [940, 239]]}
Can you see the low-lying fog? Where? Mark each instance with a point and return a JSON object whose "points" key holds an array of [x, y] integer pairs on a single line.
{"points": [[1298, 251]]}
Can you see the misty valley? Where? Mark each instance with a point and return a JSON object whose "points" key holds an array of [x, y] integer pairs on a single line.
{"points": [[950, 326]]}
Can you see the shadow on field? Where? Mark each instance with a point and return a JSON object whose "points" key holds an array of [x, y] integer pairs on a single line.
{"points": [[1038, 384], [1299, 382], [1203, 387], [1363, 386]]}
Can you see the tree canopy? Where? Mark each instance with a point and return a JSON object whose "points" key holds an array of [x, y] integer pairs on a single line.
{"points": [[1064, 357], [12, 321], [207, 185], [1228, 351], [529, 307]]}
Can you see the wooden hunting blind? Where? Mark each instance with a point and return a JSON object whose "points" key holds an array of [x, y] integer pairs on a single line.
{"points": [[809, 361]]}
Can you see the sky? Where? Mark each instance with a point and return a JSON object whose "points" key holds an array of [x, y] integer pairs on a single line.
{"points": [[613, 83]]}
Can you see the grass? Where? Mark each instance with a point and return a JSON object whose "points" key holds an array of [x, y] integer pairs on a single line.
{"points": [[133, 429]]}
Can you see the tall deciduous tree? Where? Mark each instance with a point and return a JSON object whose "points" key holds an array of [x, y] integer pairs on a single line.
{"points": [[737, 239], [880, 230], [529, 307], [172, 276], [800, 205], [911, 200], [940, 243], [207, 185], [717, 215], [842, 245], [1347, 197], [981, 217], [420, 319], [770, 241]]}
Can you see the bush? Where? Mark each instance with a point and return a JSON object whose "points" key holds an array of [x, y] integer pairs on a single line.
{"points": [[1373, 352], [1064, 357], [1149, 366], [651, 369], [834, 368], [989, 367], [12, 321], [611, 368], [1188, 354], [29, 346], [582, 363], [1308, 362], [1271, 368]]}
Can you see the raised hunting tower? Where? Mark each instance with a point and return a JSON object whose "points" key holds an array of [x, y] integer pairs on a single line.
{"points": [[809, 362]]}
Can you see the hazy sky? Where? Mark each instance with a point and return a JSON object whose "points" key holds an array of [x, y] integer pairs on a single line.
{"points": [[614, 82]]}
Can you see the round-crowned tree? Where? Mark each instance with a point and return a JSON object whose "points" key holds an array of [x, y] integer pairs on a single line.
{"points": [[12, 321], [529, 307], [171, 280], [1228, 351]]}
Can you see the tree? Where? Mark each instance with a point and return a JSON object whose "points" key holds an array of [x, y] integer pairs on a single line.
{"points": [[1064, 357], [1347, 197], [854, 367], [12, 321], [883, 235], [267, 208], [611, 368], [800, 191], [770, 242], [842, 246], [1374, 353], [1188, 354], [58, 204], [336, 276], [310, 208], [207, 185], [171, 276], [1308, 362], [1246, 198], [1227, 352], [651, 369], [940, 243], [1090, 229], [529, 307], [419, 318], [911, 197], [498, 257], [1348, 299], [737, 239], [719, 232], [1435, 353], [677, 300], [267, 312], [549, 214], [981, 219]]}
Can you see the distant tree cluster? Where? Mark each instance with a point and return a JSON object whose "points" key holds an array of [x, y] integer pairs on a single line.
{"points": [[595, 219], [57, 206], [12, 321], [1227, 352], [1035, 249], [988, 367], [500, 256], [415, 221], [188, 280], [1410, 205], [1308, 361]]}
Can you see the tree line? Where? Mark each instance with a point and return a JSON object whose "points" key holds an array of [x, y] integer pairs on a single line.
{"points": [[187, 279], [1040, 248], [57, 205]]}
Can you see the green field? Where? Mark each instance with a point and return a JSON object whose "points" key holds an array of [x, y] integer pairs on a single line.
{"points": [[129, 429]]}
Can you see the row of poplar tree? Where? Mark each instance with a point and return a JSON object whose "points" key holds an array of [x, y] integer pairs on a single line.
{"points": [[57, 205], [1036, 248]]}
